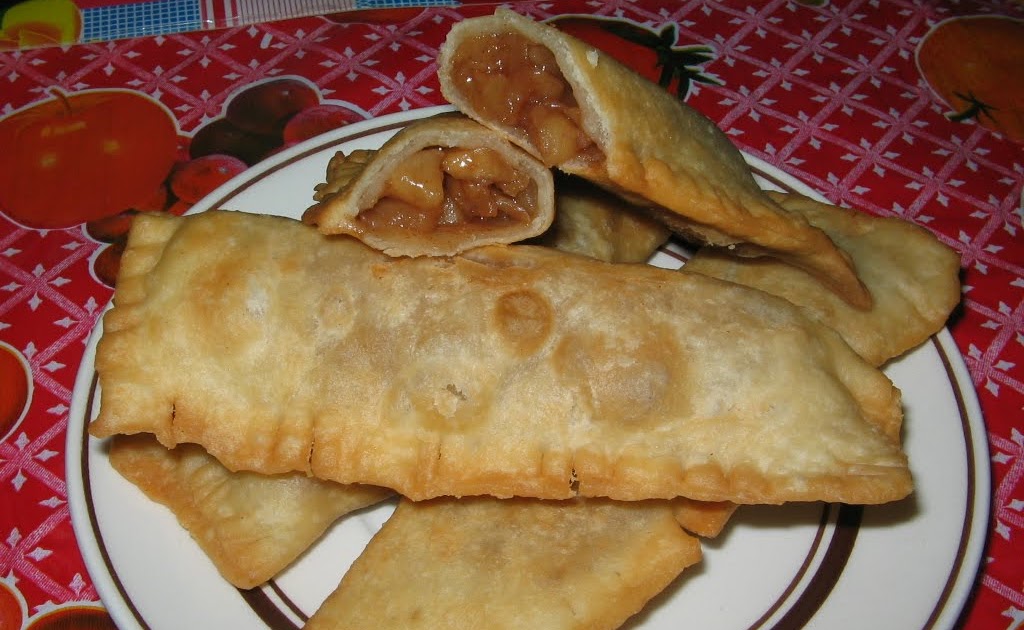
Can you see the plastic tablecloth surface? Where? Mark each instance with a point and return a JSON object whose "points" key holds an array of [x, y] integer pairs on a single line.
{"points": [[841, 94]]}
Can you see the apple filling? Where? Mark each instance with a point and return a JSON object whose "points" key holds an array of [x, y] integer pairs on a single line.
{"points": [[516, 82], [450, 188]]}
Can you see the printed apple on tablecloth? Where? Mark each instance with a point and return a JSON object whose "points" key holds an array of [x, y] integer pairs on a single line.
{"points": [[97, 158], [16, 394]]}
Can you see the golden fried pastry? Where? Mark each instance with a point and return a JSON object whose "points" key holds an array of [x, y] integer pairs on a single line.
{"points": [[509, 370], [251, 526], [342, 169], [439, 186], [577, 108], [593, 222], [505, 564], [703, 518], [913, 276]]}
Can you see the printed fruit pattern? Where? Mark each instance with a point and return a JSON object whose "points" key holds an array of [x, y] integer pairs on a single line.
{"points": [[315, 120], [264, 109], [258, 120], [73, 617], [83, 156], [13, 609], [655, 55], [194, 179], [264, 117], [15, 396], [976, 64], [33, 23]]}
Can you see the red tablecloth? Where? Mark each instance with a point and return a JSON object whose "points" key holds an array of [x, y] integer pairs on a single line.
{"points": [[834, 92]]}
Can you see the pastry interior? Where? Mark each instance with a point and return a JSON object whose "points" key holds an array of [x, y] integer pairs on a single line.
{"points": [[525, 90], [444, 188]]}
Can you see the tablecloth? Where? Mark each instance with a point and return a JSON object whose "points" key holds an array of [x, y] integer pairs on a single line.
{"points": [[894, 107]]}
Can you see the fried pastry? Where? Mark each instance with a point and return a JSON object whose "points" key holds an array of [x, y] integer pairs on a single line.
{"points": [[439, 186], [577, 108], [593, 222], [251, 526], [706, 519], [913, 276], [509, 370], [505, 564]]}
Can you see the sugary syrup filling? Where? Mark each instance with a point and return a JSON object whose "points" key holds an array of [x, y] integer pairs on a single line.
{"points": [[448, 188], [516, 82]]}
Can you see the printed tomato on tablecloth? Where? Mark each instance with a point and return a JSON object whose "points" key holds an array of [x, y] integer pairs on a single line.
{"points": [[13, 609], [15, 392], [14, 613], [654, 54], [74, 616], [976, 64]]}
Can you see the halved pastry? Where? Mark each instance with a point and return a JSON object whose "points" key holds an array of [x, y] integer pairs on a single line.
{"points": [[505, 564], [510, 370], [251, 526], [438, 187], [913, 276], [577, 108]]}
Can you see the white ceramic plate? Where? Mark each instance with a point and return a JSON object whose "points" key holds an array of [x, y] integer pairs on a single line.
{"points": [[905, 565]]}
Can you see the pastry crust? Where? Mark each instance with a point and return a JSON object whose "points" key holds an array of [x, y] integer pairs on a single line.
{"points": [[511, 370], [658, 152], [340, 203], [913, 276], [593, 222], [703, 518], [251, 526], [506, 564]]}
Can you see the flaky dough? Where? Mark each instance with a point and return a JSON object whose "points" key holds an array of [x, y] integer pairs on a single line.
{"points": [[508, 371]]}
